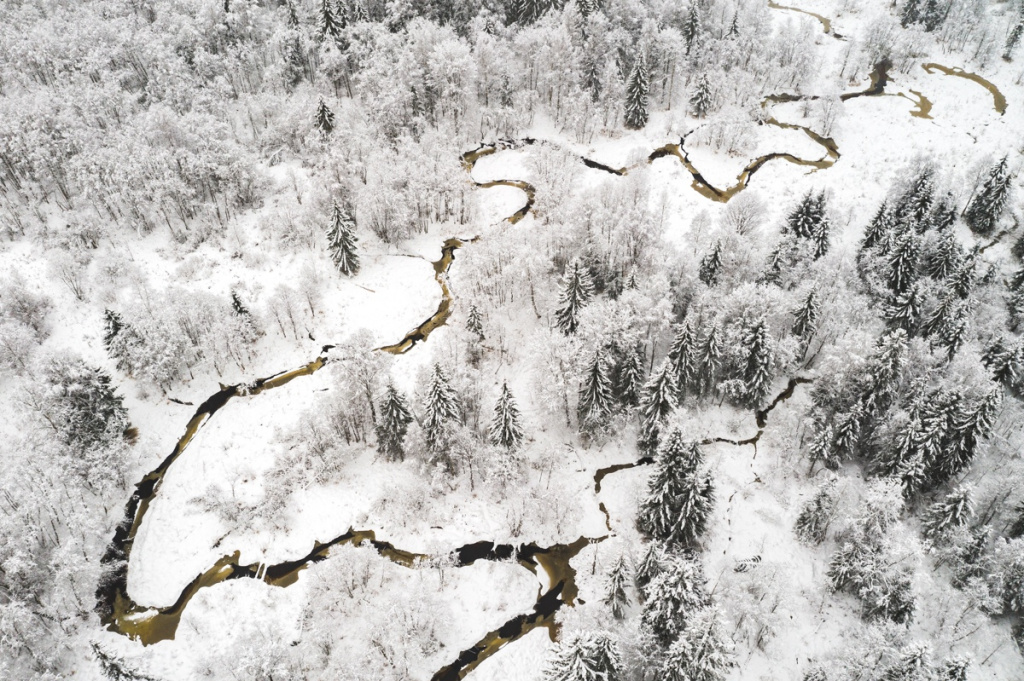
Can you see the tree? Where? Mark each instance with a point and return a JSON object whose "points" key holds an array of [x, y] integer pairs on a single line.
{"points": [[711, 265], [904, 310], [954, 669], [80, 404], [912, 664], [524, 12], [341, 241], [708, 362], [597, 394], [332, 19], [506, 430], [903, 262], [806, 219], [577, 290], [679, 497], [953, 510], [683, 354], [910, 13], [805, 321], [987, 206], [816, 515], [630, 377], [324, 118], [650, 566], [946, 258], [759, 371], [392, 425], [673, 597], [475, 323], [703, 651], [121, 341], [442, 410], [702, 98], [879, 228], [585, 657], [636, 94], [114, 668], [657, 400], [692, 26], [616, 594]]}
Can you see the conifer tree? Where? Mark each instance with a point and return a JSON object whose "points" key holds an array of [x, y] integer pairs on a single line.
{"points": [[637, 87], [946, 258], [506, 430], [972, 423], [772, 274], [914, 205], [657, 400], [683, 354], [692, 26], [903, 262], [1012, 40], [807, 216], [324, 118], [597, 394], [943, 214], [1005, 362], [442, 410], [475, 323], [962, 280], [881, 225], [394, 421], [631, 376], [650, 566], [341, 241], [703, 651], [823, 231], [702, 98], [359, 12], [711, 266], [805, 322], [913, 662], [708, 362], [332, 19], [951, 337], [525, 12], [680, 496], [81, 405], [904, 309], [586, 657], [577, 291], [617, 581], [987, 206], [954, 669], [673, 597], [119, 340], [953, 510], [587, 7], [910, 13], [816, 515], [759, 371], [947, 311]]}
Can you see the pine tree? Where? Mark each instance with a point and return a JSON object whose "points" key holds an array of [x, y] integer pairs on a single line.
{"points": [[708, 362], [951, 337], [772, 274], [913, 664], [946, 258], [759, 371], [585, 657], [954, 510], [1005, 362], [703, 651], [988, 204], [885, 370], [115, 668], [341, 241], [816, 515], [680, 496], [692, 26], [597, 394], [881, 225], [673, 597], [506, 430], [809, 220], [657, 400], [475, 323], [904, 309], [933, 15], [1012, 40], [631, 377], [81, 405], [637, 87], [903, 262], [332, 19], [911, 13], [683, 354], [442, 410], [947, 311], [711, 266], [702, 99], [120, 340], [734, 27], [359, 12], [943, 214], [953, 669], [915, 204], [616, 594], [577, 291], [324, 118], [972, 423], [394, 421], [525, 12], [805, 322], [822, 233]]}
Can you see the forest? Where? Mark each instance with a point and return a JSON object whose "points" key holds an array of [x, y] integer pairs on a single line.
{"points": [[532, 340]]}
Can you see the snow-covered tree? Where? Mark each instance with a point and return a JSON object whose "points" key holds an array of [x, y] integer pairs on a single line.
{"points": [[879, 228], [637, 86], [816, 515], [442, 410], [657, 400], [651, 564], [597, 393], [806, 219], [341, 240], [903, 262], [987, 206], [703, 651], [912, 664], [506, 430], [709, 359], [630, 377], [324, 118], [702, 98], [588, 656], [392, 424], [677, 594], [680, 495], [711, 265], [475, 323], [617, 582], [80, 405], [953, 510], [805, 317], [946, 257], [683, 355], [759, 369], [577, 290], [332, 19], [903, 311], [692, 26], [121, 341]]}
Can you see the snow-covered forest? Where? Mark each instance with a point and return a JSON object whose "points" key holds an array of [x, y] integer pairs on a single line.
{"points": [[531, 340]]}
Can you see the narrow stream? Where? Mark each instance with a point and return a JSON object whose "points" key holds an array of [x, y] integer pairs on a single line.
{"points": [[826, 23], [998, 100]]}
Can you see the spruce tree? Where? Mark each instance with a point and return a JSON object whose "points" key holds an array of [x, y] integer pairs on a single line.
{"points": [[804, 219], [816, 515], [442, 410], [946, 312], [702, 99], [903, 261], [332, 19], [651, 565], [341, 241], [506, 430], [673, 597], [616, 583], [711, 265], [963, 278], [392, 425], [680, 496], [585, 657], [805, 322], [708, 362], [759, 371], [910, 13], [692, 26], [703, 651], [597, 394], [1012, 40], [324, 118], [943, 214], [120, 341], [822, 233], [988, 204], [946, 258], [475, 323], [1005, 362], [881, 225], [772, 274], [914, 205], [953, 669], [631, 376], [577, 290], [657, 400], [953, 510], [637, 87], [81, 404], [683, 354], [904, 310], [912, 663]]}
